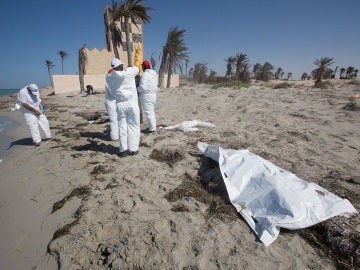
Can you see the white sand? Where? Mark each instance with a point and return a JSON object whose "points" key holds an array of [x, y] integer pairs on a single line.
{"points": [[142, 213]]}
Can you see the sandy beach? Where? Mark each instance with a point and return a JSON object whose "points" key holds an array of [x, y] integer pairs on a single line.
{"points": [[72, 203]]}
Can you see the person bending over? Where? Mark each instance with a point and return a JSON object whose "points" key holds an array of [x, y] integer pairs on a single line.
{"points": [[89, 89], [31, 107]]}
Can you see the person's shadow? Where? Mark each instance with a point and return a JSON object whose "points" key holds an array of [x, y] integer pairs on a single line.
{"points": [[24, 141], [95, 146]]}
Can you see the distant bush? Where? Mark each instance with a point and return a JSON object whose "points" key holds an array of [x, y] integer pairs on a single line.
{"points": [[231, 84], [282, 85], [322, 85], [354, 82]]}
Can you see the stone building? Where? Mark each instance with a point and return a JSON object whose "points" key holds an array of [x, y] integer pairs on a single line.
{"points": [[97, 63]]}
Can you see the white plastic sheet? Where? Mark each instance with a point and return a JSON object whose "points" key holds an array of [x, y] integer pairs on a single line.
{"points": [[190, 125], [270, 198]]}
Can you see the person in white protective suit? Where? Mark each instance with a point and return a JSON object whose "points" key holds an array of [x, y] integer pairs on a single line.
{"points": [[110, 105], [147, 91], [31, 107], [123, 88]]}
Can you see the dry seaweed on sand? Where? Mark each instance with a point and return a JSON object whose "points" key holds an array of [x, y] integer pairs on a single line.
{"points": [[80, 192], [65, 229], [91, 116], [215, 197], [338, 239], [102, 169], [351, 106], [169, 155]]}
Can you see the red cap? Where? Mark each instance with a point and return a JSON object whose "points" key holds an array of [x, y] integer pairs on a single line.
{"points": [[146, 64]]}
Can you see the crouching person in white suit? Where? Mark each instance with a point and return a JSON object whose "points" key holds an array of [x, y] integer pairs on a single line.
{"points": [[147, 92], [29, 98], [122, 86]]}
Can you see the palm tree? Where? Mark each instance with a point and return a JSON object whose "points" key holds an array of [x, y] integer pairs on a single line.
{"points": [[191, 72], [349, 72], [212, 76], [266, 72], [186, 66], [333, 76], [199, 74], [342, 71], [278, 72], [304, 76], [329, 74], [241, 65], [82, 64], [63, 56], [50, 65], [289, 75], [281, 75], [174, 52], [323, 66], [153, 61], [131, 12], [230, 63], [256, 70], [113, 32]]}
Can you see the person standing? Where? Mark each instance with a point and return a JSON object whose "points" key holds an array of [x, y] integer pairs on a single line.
{"points": [[110, 105], [147, 91], [29, 98], [121, 83]]}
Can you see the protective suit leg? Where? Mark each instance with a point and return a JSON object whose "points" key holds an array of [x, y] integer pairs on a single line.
{"points": [[110, 106], [122, 125], [148, 102], [133, 125], [31, 121], [44, 125], [129, 125]]}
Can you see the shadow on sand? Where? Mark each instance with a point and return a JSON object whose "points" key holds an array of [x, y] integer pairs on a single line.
{"points": [[24, 141]]}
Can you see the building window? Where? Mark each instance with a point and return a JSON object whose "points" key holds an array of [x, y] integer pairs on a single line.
{"points": [[124, 48], [123, 27], [137, 38]]}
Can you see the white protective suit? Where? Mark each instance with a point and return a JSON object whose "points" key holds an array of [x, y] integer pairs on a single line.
{"points": [[123, 89], [147, 92], [32, 120], [110, 105]]}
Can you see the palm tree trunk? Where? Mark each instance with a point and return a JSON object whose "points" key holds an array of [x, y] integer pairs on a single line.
{"points": [[168, 83], [128, 45], [116, 51], [162, 72], [51, 81], [82, 67]]}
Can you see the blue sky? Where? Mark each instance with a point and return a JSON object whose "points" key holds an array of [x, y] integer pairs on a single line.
{"points": [[289, 34]]}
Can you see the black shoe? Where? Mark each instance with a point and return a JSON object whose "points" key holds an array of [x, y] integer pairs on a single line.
{"points": [[134, 153], [123, 153], [147, 131]]}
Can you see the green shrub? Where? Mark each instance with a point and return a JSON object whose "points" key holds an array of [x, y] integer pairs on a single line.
{"points": [[322, 85]]}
